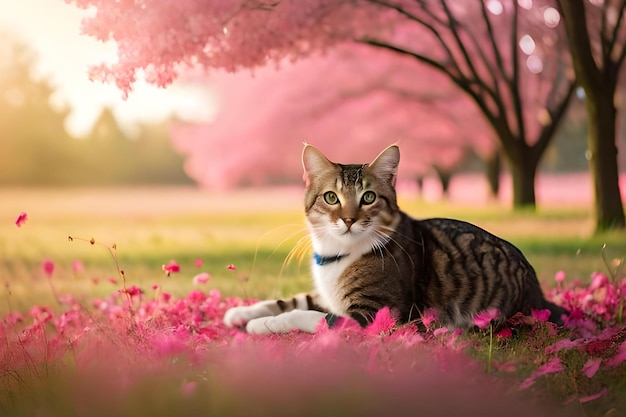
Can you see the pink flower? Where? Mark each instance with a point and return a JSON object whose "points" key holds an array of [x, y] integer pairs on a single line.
{"points": [[171, 267], [231, 267], [429, 316], [201, 278], [48, 267], [483, 318], [77, 266], [21, 219], [199, 263], [541, 315], [559, 276], [598, 280], [591, 367], [505, 333], [383, 322], [133, 291]]}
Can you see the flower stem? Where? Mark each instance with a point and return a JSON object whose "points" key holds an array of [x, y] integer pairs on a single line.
{"points": [[490, 348]]}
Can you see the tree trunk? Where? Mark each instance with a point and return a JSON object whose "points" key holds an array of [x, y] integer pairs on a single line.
{"points": [[523, 173], [444, 176], [493, 168], [599, 83], [609, 210]]}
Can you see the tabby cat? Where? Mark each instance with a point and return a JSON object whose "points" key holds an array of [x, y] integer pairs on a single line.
{"points": [[368, 254]]}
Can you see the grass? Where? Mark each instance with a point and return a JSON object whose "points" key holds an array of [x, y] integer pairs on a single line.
{"points": [[149, 227], [255, 231]]}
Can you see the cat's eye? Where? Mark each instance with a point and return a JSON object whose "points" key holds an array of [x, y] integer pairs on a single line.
{"points": [[331, 198], [369, 197]]}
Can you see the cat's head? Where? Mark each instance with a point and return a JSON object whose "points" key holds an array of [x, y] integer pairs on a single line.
{"points": [[350, 203]]}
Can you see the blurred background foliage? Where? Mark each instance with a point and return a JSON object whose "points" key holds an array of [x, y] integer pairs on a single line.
{"points": [[36, 150]]}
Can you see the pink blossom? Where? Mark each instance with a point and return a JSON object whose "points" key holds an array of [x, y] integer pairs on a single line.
{"points": [[231, 267], [484, 318], [541, 315], [505, 333], [21, 219], [77, 266], [598, 280], [591, 367], [595, 396], [133, 291], [428, 316], [383, 322], [48, 267], [201, 278], [171, 267], [198, 263], [559, 276]]}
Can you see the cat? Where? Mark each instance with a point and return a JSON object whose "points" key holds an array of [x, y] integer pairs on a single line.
{"points": [[368, 254]]}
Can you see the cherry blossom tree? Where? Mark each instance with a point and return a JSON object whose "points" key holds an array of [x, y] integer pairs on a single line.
{"points": [[597, 34], [505, 55], [373, 106]]}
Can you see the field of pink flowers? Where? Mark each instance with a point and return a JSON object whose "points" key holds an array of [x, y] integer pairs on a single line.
{"points": [[144, 351]]}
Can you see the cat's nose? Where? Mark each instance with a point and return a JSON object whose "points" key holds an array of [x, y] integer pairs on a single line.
{"points": [[348, 221]]}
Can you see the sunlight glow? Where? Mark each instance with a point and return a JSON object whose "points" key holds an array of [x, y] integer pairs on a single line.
{"points": [[63, 57], [495, 7], [525, 4], [534, 64], [527, 44], [551, 17]]}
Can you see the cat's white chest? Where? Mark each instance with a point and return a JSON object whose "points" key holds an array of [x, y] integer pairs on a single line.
{"points": [[326, 278]]}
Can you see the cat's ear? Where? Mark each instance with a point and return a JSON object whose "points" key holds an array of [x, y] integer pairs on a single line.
{"points": [[314, 163], [386, 164]]}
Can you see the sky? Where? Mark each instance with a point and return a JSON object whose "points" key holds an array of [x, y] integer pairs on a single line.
{"points": [[52, 29]]}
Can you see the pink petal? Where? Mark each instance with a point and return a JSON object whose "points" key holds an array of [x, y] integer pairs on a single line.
{"points": [[591, 367], [198, 263], [77, 266], [541, 315], [231, 267], [21, 219], [597, 395], [559, 276], [505, 333], [48, 267], [383, 322], [483, 318], [429, 316], [201, 278], [562, 344], [171, 267], [551, 367]]}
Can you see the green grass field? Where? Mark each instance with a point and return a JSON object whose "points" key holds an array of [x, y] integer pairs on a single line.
{"points": [[252, 229]]}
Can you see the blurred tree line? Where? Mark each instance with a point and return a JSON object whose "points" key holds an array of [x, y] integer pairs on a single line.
{"points": [[35, 149]]}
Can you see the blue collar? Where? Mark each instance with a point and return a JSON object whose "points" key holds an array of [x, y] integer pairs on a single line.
{"points": [[324, 260]]}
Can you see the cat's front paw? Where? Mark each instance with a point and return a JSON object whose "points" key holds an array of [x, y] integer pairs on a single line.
{"points": [[303, 320], [239, 316]]}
